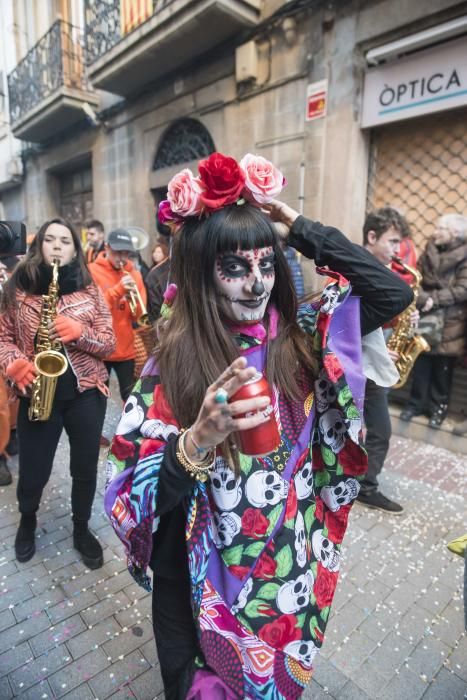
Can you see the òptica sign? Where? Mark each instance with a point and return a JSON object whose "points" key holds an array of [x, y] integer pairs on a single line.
{"points": [[429, 81]]}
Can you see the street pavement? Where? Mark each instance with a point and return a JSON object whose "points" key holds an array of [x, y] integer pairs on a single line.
{"points": [[395, 633]]}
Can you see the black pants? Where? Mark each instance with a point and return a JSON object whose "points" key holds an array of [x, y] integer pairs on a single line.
{"points": [[125, 371], [82, 417], [378, 433], [431, 385], [175, 635]]}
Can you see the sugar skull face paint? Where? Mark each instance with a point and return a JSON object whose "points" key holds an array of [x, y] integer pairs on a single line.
{"points": [[244, 280]]}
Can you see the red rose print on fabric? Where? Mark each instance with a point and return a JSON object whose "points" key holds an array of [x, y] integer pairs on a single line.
{"points": [[336, 523], [254, 523], [291, 507], [239, 571], [150, 447], [265, 568], [333, 367], [121, 448], [281, 631], [319, 512], [324, 587], [353, 459]]}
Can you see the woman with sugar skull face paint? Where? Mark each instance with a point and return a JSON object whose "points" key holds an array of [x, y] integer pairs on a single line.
{"points": [[245, 551]]}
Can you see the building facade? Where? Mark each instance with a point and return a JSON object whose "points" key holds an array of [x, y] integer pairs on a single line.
{"points": [[111, 97]]}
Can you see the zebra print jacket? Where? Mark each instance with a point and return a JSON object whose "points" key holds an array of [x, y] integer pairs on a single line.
{"points": [[18, 328]]}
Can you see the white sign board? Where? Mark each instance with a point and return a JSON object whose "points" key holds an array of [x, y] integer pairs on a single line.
{"points": [[429, 81], [316, 100]]}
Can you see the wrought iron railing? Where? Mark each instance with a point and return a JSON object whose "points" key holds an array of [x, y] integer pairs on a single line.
{"points": [[56, 61], [109, 21]]}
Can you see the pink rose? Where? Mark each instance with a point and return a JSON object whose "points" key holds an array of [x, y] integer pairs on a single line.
{"points": [[263, 181], [165, 214], [184, 192]]}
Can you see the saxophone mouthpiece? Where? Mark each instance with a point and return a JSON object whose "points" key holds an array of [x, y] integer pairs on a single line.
{"points": [[397, 259]]}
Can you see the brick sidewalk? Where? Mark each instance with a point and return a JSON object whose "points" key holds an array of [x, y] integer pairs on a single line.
{"points": [[395, 631]]}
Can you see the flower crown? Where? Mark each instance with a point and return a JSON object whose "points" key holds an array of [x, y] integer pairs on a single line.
{"points": [[221, 181]]}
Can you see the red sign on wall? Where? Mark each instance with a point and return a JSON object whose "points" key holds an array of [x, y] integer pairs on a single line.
{"points": [[316, 100]]}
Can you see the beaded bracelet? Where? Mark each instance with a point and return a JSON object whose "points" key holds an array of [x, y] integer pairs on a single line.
{"points": [[199, 471]]}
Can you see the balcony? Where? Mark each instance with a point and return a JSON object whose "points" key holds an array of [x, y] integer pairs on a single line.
{"points": [[48, 88], [126, 52]]}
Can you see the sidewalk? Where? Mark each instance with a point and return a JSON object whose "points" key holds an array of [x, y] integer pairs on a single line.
{"points": [[395, 631]]}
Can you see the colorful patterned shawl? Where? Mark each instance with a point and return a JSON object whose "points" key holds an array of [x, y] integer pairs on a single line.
{"points": [[263, 549]]}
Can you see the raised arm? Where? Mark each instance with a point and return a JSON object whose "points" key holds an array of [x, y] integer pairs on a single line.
{"points": [[383, 294]]}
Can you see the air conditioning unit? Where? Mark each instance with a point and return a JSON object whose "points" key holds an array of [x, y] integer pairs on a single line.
{"points": [[246, 62], [15, 167]]}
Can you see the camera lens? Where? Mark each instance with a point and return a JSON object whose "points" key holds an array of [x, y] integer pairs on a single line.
{"points": [[7, 237]]}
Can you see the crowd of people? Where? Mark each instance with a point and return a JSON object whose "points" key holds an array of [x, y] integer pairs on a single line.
{"points": [[244, 548]]}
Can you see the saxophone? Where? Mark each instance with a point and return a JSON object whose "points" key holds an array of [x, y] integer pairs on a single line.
{"points": [[49, 361], [403, 340]]}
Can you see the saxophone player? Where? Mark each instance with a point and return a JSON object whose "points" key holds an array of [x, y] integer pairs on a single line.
{"points": [[81, 326], [383, 232]]}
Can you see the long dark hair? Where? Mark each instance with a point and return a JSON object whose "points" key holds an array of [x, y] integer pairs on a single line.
{"points": [[26, 274], [194, 347]]}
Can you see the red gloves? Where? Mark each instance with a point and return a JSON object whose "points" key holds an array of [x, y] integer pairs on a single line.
{"points": [[67, 329], [21, 372]]}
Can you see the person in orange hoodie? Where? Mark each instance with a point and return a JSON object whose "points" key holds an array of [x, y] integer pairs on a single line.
{"points": [[118, 280]]}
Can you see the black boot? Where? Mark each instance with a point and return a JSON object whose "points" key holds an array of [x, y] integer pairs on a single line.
{"points": [[25, 544], [5, 474], [87, 545]]}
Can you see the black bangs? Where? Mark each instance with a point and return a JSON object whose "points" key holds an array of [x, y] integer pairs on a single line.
{"points": [[241, 227]]}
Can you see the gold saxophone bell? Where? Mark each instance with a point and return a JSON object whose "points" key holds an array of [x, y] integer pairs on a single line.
{"points": [[403, 340], [49, 361]]}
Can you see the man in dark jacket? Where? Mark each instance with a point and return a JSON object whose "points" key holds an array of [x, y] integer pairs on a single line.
{"points": [[444, 290]]}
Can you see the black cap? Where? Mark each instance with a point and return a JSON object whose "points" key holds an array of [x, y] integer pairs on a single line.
{"points": [[119, 239]]}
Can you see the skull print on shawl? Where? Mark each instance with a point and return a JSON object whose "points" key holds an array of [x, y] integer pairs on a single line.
{"points": [[263, 548]]}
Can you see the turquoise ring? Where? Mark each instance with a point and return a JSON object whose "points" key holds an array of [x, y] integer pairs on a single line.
{"points": [[221, 396]]}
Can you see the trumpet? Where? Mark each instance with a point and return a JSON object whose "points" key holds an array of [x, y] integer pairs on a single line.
{"points": [[134, 300]]}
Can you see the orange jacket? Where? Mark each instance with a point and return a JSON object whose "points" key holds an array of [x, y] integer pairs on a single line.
{"points": [[109, 280]]}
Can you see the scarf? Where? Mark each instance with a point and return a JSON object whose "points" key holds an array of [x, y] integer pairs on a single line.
{"points": [[70, 279]]}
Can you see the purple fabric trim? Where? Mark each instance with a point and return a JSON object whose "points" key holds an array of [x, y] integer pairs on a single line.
{"points": [[345, 323], [207, 686], [150, 368], [113, 488]]}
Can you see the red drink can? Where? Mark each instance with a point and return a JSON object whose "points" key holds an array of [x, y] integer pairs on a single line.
{"points": [[265, 438]]}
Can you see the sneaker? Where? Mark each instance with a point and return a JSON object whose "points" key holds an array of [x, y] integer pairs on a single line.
{"points": [[104, 442], [88, 546], [5, 473], [25, 544], [12, 447], [376, 500]]}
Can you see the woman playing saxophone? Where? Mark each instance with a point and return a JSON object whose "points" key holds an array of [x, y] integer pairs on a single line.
{"points": [[71, 314]]}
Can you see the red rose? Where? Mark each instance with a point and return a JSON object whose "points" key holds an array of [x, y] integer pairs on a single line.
{"points": [[280, 632], [324, 587], [336, 523], [353, 458], [291, 507], [223, 179], [333, 367], [265, 568], [150, 447], [319, 464], [121, 448], [239, 571], [319, 512], [254, 523]]}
